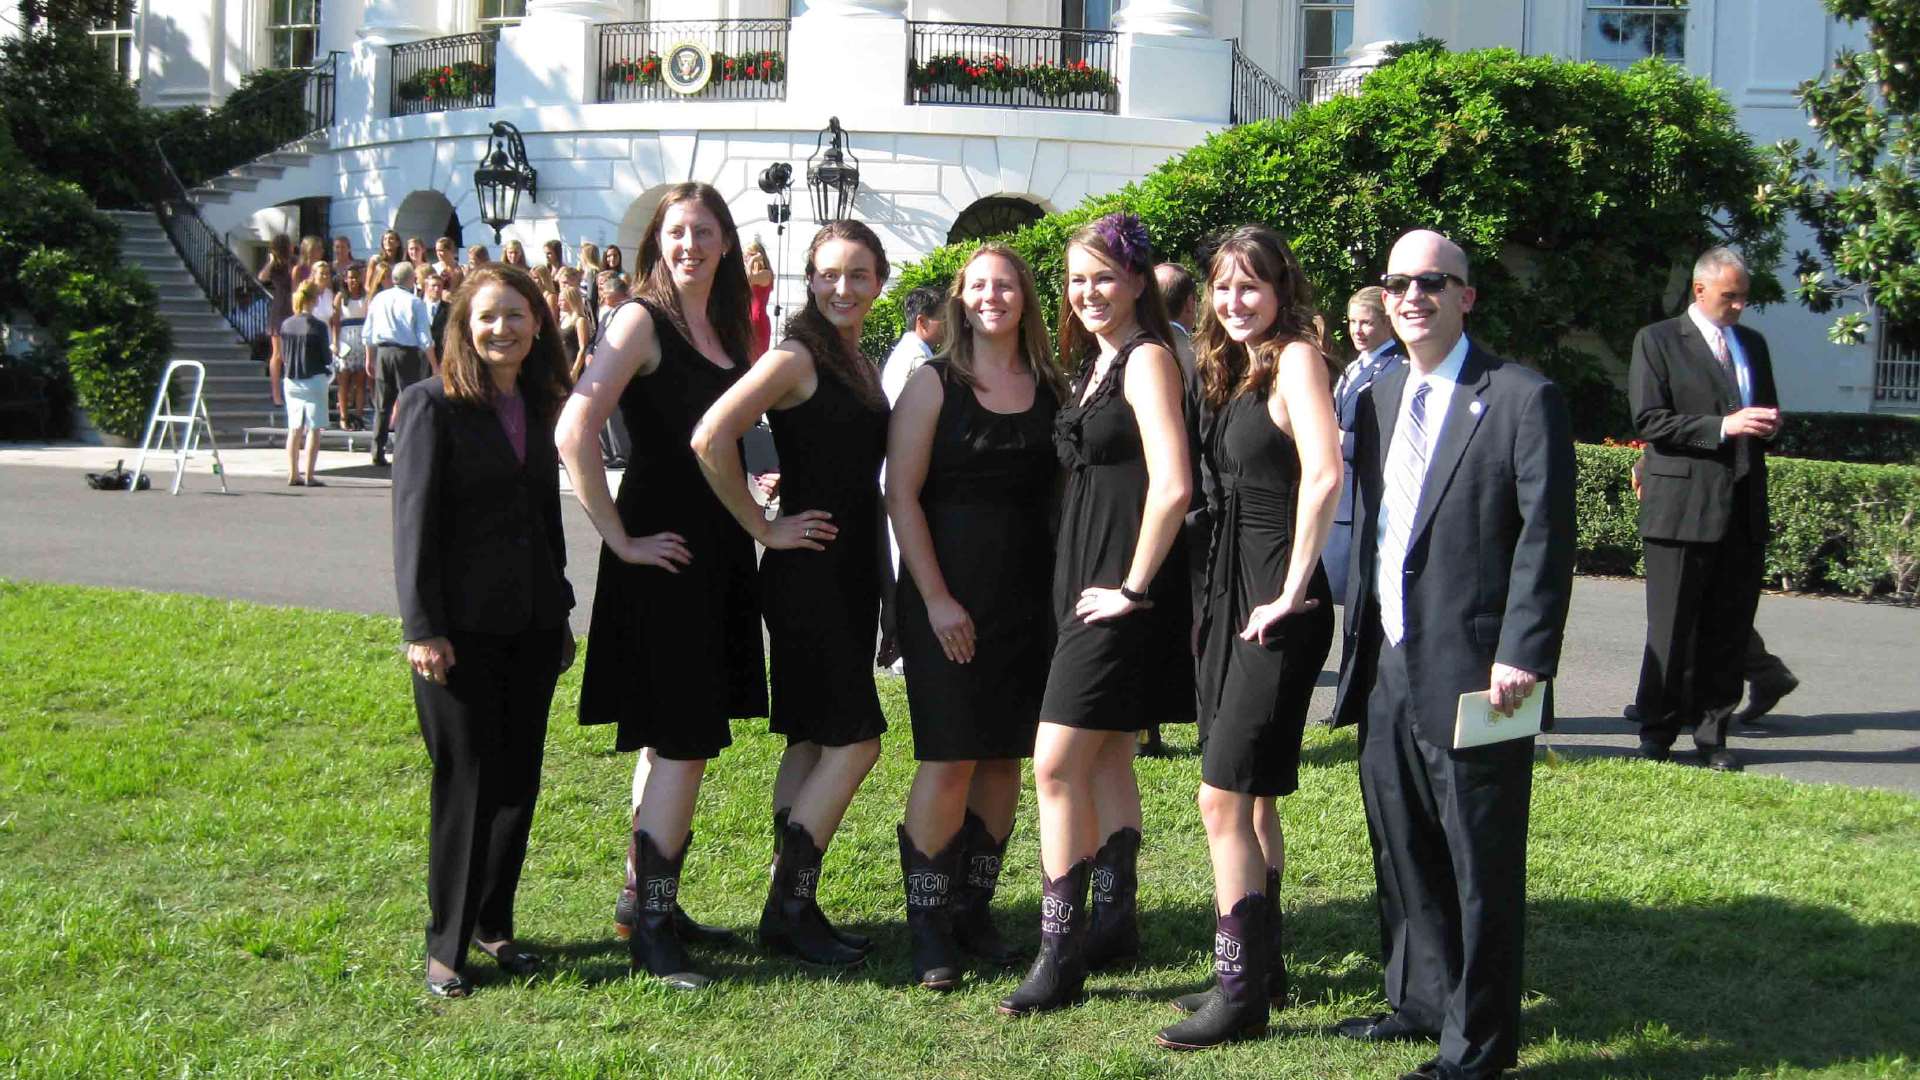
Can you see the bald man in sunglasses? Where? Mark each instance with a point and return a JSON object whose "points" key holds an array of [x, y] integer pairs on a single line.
{"points": [[1459, 578]]}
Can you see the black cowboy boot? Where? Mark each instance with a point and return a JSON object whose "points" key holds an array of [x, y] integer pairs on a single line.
{"points": [[1113, 938], [973, 929], [792, 922], [846, 937], [691, 932], [654, 947], [1237, 1007], [1276, 956], [1059, 971], [929, 884]]}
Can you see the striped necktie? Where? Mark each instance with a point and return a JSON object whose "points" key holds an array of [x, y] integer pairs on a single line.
{"points": [[1408, 473]]}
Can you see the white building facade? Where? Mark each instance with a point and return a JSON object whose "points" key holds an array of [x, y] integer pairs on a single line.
{"points": [[1136, 82]]}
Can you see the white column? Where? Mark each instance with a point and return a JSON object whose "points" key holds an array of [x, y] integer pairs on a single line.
{"points": [[848, 50], [552, 57], [1173, 18], [393, 22], [1378, 24]]}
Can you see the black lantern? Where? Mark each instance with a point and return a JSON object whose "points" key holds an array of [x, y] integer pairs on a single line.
{"points": [[833, 174], [502, 176]]}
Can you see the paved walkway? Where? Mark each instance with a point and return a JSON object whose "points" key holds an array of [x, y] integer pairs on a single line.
{"points": [[1855, 720]]}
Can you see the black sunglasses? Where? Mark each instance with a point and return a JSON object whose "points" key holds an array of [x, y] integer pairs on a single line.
{"points": [[1433, 281]]}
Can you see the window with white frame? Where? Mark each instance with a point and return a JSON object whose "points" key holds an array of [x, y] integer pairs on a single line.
{"points": [[1618, 33], [112, 34], [1087, 14], [1326, 32], [495, 14], [293, 32]]}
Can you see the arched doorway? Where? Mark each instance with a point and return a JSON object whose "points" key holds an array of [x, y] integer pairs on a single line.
{"points": [[994, 215], [427, 215]]}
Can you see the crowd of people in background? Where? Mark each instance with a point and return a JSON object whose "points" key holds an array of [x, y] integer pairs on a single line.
{"points": [[576, 296]]}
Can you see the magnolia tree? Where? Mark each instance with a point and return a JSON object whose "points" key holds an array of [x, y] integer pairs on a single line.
{"points": [[1865, 212]]}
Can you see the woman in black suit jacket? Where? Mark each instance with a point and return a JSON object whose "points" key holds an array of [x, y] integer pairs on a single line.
{"points": [[479, 562]]}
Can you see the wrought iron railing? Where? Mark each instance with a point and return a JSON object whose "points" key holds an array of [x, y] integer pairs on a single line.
{"points": [[444, 73], [1031, 67], [1896, 372], [274, 110], [1318, 84], [230, 286], [748, 58], [1256, 94]]}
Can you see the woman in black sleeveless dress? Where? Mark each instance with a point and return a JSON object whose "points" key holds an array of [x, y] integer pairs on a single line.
{"points": [[1272, 456], [1124, 441], [673, 653], [822, 575], [970, 475]]}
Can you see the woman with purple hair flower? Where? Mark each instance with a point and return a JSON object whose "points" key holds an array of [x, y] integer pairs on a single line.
{"points": [[1123, 438]]}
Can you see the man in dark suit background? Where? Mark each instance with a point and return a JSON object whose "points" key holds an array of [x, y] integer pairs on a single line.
{"points": [[1702, 392], [1378, 351], [1461, 574]]}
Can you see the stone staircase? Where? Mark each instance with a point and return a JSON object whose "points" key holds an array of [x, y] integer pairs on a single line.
{"points": [[236, 391], [298, 170]]}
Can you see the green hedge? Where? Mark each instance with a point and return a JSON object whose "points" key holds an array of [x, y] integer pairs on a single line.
{"points": [[1836, 527], [1862, 438]]}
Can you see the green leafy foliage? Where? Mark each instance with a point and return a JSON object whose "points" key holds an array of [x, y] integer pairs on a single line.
{"points": [[1836, 526], [457, 81], [1866, 223], [72, 115], [1580, 192], [266, 112]]}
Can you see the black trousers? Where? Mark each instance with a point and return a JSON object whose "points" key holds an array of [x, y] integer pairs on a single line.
{"points": [[395, 367], [486, 730], [1700, 603], [1450, 834]]}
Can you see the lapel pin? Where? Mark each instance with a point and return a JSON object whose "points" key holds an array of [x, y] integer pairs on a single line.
{"points": [[1474, 408]]}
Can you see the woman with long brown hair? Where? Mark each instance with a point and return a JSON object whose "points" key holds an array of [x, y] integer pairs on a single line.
{"points": [[479, 563], [970, 474], [673, 653], [1124, 440], [380, 265], [822, 574], [1272, 456]]}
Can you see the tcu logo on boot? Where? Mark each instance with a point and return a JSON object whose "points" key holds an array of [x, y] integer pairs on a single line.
{"points": [[983, 871], [1102, 883], [1226, 954], [927, 889], [805, 882], [661, 893], [1054, 914]]}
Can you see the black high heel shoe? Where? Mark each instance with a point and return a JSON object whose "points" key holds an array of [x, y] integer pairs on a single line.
{"points": [[451, 988]]}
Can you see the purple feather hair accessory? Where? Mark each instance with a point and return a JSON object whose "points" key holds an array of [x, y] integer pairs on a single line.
{"points": [[1126, 237]]}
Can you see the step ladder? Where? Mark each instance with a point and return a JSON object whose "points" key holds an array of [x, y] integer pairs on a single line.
{"points": [[178, 434]]}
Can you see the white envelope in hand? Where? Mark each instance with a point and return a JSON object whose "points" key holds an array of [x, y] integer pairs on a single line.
{"points": [[1476, 724]]}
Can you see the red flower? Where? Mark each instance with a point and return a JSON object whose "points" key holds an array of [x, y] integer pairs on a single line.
{"points": [[749, 69], [729, 78], [729, 65]]}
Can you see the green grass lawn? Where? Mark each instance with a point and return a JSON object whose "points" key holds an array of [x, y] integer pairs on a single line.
{"points": [[213, 858]]}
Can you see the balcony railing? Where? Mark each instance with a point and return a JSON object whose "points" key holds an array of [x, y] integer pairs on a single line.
{"points": [[1318, 84], [276, 109], [1021, 67], [1896, 373], [444, 73], [749, 58], [1256, 94]]}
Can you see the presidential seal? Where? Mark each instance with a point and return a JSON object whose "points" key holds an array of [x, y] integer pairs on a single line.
{"points": [[688, 68]]}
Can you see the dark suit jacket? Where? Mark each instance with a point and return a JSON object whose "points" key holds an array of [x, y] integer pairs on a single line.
{"points": [[1679, 394], [438, 328], [1489, 570], [1346, 408], [477, 545]]}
